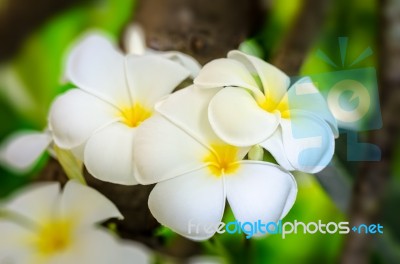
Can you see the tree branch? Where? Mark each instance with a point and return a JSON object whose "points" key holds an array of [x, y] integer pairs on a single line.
{"points": [[205, 29], [305, 30]]}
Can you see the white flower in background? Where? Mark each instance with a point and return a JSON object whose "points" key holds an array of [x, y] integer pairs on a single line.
{"points": [[135, 43], [116, 95], [203, 259], [133, 252], [21, 150], [43, 225], [196, 171], [256, 107]]}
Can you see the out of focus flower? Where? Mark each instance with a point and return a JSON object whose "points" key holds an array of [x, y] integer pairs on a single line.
{"points": [[22, 150], [135, 43], [256, 107], [196, 172], [43, 225], [202, 259], [116, 95]]}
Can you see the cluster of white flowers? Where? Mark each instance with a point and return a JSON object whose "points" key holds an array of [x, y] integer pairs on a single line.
{"points": [[127, 125]]}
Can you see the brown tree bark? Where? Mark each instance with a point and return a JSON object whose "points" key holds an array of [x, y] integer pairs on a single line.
{"points": [[292, 53], [204, 29]]}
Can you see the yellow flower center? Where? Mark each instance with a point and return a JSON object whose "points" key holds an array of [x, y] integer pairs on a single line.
{"points": [[53, 237], [134, 115], [271, 106], [223, 160]]}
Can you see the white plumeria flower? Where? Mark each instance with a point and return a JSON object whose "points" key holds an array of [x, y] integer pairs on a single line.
{"points": [[256, 107], [116, 95], [196, 171], [21, 150], [43, 225], [135, 43]]}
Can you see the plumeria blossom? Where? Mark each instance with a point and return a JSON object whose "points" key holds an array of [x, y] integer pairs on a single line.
{"points": [[43, 225], [256, 107], [116, 94], [21, 150], [135, 43], [196, 171]]}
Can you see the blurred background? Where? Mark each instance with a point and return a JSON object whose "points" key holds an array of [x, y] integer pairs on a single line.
{"points": [[329, 40]]}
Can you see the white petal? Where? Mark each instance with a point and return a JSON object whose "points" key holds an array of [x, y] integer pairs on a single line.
{"points": [[131, 251], [226, 72], [134, 39], [203, 259], [97, 67], [237, 119], [75, 115], [108, 154], [190, 204], [189, 63], [274, 81], [274, 144], [260, 191], [303, 95], [21, 150], [186, 61], [91, 246], [163, 151], [12, 243], [152, 77], [307, 141], [95, 208], [188, 109], [35, 202]]}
